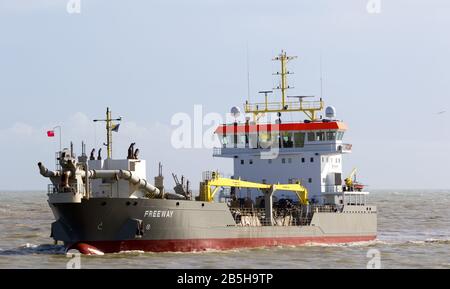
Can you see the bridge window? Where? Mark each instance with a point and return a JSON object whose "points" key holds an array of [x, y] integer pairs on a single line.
{"points": [[287, 140], [224, 140], [340, 135], [331, 135], [264, 137], [267, 139], [227, 140], [299, 139], [303, 160], [320, 136], [311, 136], [252, 140], [241, 140], [230, 140]]}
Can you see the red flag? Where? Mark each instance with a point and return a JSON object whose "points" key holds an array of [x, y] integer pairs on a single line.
{"points": [[50, 133]]}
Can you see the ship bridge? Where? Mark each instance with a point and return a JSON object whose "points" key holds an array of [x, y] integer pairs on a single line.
{"points": [[286, 152], [287, 138], [309, 150]]}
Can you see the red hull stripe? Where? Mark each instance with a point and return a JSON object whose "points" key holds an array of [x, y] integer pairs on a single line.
{"points": [[230, 129], [204, 244]]}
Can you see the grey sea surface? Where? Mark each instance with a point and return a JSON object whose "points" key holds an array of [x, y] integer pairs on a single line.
{"points": [[413, 232]]}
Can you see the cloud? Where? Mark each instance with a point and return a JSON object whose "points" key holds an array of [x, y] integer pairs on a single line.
{"points": [[20, 132], [21, 129]]}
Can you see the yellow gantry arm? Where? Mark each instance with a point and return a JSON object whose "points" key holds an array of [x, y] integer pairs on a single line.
{"points": [[301, 191], [207, 193], [224, 182]]}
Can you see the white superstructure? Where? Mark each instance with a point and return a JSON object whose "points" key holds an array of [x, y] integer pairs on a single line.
{"points": [[308, 150]]}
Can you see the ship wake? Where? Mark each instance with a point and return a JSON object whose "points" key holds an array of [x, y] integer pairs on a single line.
{"points": [[32, 249]]}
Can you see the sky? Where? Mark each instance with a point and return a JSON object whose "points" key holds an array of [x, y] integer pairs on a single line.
{"points": [[386, 73]]}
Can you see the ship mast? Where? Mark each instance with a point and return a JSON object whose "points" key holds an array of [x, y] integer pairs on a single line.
{"points": [[310, 108], [110, 127], [284, 59]]}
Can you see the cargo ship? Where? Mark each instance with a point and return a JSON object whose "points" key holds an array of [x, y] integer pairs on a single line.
{"points": [[287, 188]]}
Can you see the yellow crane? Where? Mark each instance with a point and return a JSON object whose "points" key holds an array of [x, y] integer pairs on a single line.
{"points": [[349, 180], [209, 187], [352, 184]]}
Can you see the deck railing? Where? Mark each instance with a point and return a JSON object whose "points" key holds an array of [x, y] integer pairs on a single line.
{"points": [[288, 106], [295, 216]]}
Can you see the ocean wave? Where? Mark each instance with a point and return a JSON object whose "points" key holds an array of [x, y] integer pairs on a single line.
{"points": [[375, 242], [256, 249], [48, 249], [130, 252], [349, 244], [31, 249], [206, 251], [429, 241], [394, 242]]}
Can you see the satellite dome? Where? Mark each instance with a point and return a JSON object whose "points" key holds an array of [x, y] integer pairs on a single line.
{"points": [[330, 112], [235, 111]]}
